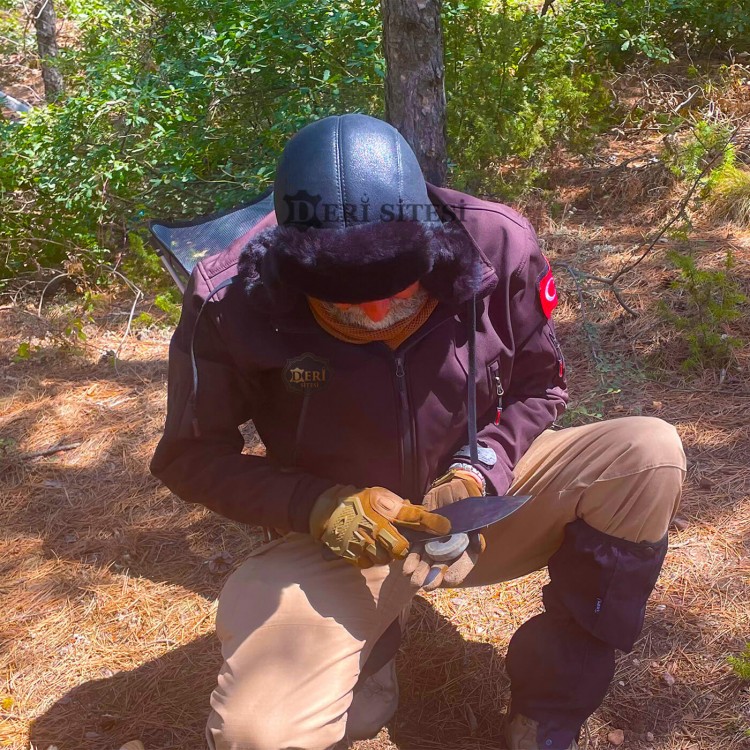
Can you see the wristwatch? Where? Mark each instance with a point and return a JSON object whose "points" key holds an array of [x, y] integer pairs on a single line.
{"points": [[487, 456]]}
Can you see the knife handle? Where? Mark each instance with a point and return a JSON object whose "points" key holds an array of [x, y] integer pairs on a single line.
{"points": [[447, 548]]}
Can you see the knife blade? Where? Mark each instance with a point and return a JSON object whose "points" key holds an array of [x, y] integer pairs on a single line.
{"points": [[471, 514]]}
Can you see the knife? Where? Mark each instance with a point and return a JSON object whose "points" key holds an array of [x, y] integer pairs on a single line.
{"points": [[470, 514]]}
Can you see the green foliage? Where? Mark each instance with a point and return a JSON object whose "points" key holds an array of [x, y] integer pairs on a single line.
{"points": [[741, 663], [23, 352], [708, 300], [516, 83], [708, 142], [729, 193], [144, 320], [13, 33], [170, 303], [174, 111], [178, 107], [142, 265]]}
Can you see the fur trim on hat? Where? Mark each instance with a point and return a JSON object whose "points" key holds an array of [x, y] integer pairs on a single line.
{"points": [[363, 263]]}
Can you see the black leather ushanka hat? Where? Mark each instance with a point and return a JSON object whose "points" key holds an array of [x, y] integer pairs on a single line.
{"points": [[355, 221]]}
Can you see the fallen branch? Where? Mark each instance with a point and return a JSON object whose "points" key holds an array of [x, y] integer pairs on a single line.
{"points": [[44, 291], [50, 451], [138, 295]]}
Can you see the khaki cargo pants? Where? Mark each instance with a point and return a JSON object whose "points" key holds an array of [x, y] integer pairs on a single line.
{"points": [[295, 630]]}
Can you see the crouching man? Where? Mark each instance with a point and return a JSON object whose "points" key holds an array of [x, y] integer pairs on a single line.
{"points": [[347, 329]]}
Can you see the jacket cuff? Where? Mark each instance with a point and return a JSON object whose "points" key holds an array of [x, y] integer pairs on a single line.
{"points": [[496, 475], [498, 479], [308, 490]]}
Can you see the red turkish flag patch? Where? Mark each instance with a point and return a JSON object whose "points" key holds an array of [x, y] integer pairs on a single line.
{"points": [[547, 292]]}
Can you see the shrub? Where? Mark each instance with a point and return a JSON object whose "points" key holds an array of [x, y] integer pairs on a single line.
{"points": [[741, 663], [175, 110], [729, 196], [708, 301]]}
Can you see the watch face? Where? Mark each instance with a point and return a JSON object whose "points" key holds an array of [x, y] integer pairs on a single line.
{"points": [[486, 455]]}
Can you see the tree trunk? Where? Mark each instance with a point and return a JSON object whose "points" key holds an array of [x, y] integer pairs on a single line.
{"points": [[45, 22], [415, 80]]}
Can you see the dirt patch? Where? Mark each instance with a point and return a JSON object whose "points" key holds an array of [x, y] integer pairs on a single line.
{"points": [[109, 591]]}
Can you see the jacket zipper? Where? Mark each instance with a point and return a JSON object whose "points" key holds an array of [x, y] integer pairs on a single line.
{"points": [[558, 352], [500, 392], [407, 439]]}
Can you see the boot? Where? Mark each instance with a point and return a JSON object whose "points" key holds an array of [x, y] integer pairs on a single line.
{"points": [[562, 661], [375, 697], [521, 734], [373, 705]]}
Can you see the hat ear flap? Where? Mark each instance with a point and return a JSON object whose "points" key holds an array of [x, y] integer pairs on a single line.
{"points": [[456, 271], [259, 273]]}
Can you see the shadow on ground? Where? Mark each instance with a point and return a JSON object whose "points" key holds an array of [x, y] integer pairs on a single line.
{"points": [[449, 694]]}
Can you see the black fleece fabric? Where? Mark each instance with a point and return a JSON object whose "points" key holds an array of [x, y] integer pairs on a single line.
{"points": [[367, 262]]}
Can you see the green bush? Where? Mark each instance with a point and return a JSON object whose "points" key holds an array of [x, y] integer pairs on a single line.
{"points": [[177, 107], [707, 145], [741, 663], [708, 301], [173, 112]]}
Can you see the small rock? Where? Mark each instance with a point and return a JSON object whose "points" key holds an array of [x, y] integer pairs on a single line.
{"points": [[458, 601], [636, 662], [616, 737], [705, 483], [657, 405], [661, 607], [669, 679], [649, 736], [621, 683], [221, 562], [619, 407], [680, 523], [479, 630]]}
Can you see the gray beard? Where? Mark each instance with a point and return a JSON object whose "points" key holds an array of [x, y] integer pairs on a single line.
{"points": [[400, 309]]}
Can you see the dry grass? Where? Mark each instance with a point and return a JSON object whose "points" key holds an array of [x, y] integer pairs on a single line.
{"points": [[730, 196], [108, 597], [108, 584]]}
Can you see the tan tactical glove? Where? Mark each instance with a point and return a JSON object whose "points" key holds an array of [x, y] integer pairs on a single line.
{"points": [[360, 525], [428, 574], [455, 484]]}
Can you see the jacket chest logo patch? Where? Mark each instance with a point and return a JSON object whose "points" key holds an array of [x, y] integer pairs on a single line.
{"points": [[306, 373]]}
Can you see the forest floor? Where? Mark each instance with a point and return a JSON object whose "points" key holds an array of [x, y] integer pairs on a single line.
{"points": [[108, 583]]}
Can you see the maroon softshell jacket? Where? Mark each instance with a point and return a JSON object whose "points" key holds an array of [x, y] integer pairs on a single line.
{"points": [[330, 412]]}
